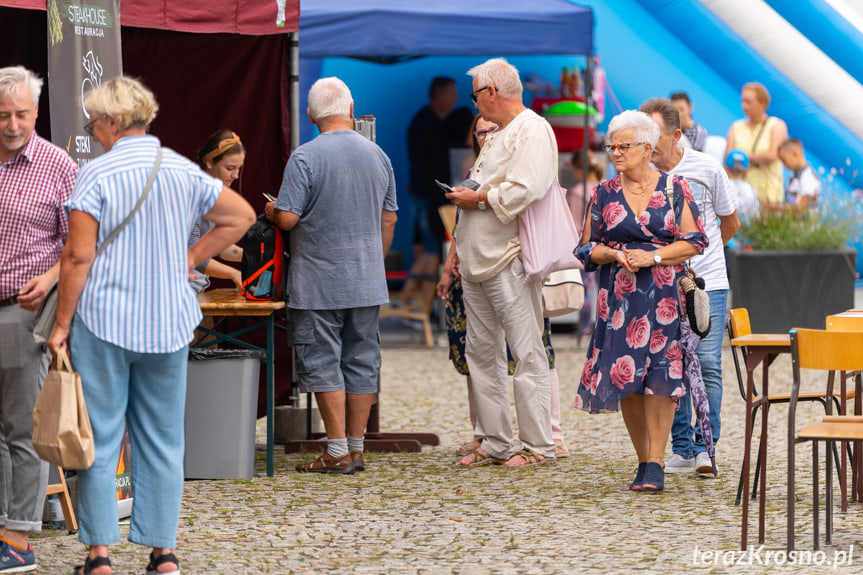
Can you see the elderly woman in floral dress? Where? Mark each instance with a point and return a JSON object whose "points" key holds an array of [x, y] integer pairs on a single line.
{"points": [[639, 240]]}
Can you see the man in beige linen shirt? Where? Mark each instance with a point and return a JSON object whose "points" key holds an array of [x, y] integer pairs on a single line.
{"points": [[515, 169]]}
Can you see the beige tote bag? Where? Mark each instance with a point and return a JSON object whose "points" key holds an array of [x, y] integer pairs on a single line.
{"points": [[61, 428]]}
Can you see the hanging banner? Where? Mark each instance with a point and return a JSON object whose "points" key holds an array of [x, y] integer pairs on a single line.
{"points": [[83, 50]]}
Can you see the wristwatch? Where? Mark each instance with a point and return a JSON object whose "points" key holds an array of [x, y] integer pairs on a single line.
{"points": [[657, 259], [480, 202]]}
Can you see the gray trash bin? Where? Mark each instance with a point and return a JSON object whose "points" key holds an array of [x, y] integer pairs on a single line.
{"points": [[221, 409]]}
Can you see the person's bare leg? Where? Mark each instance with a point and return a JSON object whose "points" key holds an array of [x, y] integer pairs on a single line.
{"points": [[20, 539], [632, 409], [659, 417], [359, 405], [332, 406]]}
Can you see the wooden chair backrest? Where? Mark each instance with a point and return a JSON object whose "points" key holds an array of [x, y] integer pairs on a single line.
{"points": [[827, 350], [740, 322], [741, 387], [844, 322]]}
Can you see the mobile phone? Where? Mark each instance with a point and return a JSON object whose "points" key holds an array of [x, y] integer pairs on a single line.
{"points": [[269, 197], [470, 184], [443, 186]]}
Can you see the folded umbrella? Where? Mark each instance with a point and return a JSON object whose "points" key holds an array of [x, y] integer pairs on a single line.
{"points": [[695, 384]]}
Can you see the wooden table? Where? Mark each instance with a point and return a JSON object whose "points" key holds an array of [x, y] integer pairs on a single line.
{"points": [[227, 302], [761, 348]]}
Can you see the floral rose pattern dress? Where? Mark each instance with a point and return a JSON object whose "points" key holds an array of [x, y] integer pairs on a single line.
{"points": [[635, 347]]}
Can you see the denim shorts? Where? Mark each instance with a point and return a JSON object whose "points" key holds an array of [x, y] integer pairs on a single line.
{"points": [[337, 350]]}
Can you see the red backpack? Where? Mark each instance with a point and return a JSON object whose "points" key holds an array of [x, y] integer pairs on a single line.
{"points": [[264, 263]]}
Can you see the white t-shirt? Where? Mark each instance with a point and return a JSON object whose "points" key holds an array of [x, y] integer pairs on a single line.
{"points": [[709, 184], [804, 182], [748, 204]]}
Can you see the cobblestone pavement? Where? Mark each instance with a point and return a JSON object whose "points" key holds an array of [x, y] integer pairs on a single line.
{"points": [[418, 514]]}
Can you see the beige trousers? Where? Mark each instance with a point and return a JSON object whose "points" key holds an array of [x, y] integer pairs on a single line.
{"points": [[506, 309]]}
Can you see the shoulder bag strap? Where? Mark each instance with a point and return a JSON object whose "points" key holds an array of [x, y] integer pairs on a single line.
{"points": [[116, 231], [758, 135]]}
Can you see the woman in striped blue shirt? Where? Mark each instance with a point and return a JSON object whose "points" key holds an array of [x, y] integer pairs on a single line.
{"points": [[131, 314]]}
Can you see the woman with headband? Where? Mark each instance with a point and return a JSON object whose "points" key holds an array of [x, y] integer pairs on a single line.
{"points": [[222, 156]]}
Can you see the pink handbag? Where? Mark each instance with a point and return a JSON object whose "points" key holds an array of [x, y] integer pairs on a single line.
{"points": [[548, 236]]}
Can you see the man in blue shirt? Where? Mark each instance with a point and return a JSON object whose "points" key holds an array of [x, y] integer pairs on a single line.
{"points": [[338, 198]]}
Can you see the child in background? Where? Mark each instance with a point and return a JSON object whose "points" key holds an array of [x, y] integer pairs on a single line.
{"points": [[804, 186], [736, 164]]}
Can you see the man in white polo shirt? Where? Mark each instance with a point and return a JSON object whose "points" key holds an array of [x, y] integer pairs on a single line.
{"points": [[717, 205]]}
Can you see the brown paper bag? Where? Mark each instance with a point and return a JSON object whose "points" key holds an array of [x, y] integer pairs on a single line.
{"points": [[61, 428]]}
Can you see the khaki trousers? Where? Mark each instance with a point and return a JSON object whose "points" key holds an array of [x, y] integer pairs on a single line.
{"points": [[506, 309]]}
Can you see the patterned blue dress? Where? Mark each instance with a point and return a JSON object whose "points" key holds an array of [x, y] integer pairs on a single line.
{"points": [[635, 347]]}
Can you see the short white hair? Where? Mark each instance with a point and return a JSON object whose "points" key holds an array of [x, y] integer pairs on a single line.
{"points": [[646, 130], [330, 99], [501, 74], [13, 77]]}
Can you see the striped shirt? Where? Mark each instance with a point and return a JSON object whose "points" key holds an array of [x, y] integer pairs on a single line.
{"points": [[697, 136], [34, 184], [137, 294]]}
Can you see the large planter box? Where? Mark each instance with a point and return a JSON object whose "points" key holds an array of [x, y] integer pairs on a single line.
{"points": [[786, 289]]}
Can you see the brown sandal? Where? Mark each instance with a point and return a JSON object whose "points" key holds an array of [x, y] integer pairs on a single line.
{"points": [[467, 448], [561, 451], [531, 458], [479, 458]]}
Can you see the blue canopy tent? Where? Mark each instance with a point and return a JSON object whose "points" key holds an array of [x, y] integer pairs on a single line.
{"points": [[397, 31], [388, 29]]}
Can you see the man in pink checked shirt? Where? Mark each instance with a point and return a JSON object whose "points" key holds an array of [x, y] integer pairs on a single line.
{"points": [[36, 178]]}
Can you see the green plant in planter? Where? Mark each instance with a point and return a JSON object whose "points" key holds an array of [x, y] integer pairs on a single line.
{"points": [[784, 228]]}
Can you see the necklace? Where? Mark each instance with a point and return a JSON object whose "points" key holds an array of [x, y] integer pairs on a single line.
{"points": [[643, 186]]}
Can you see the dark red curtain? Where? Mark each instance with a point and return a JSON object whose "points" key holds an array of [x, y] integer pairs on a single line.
{"points": [[24, 42], [208, 82]]}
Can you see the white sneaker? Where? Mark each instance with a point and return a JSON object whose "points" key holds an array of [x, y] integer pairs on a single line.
{"points": [[703, 464], [679, 464]]}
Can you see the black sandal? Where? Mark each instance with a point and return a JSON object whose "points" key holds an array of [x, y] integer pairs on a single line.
{"points": [[155, 562], [90, 564]]}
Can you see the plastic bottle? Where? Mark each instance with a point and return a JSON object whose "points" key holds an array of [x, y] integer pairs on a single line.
{"points": [[565, 83], [58, 520], [574, 82]]}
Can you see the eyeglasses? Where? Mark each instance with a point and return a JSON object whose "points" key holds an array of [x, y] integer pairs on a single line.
{"points": [[88, 127], [611, 148], [473, 95], [483, 133]]}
